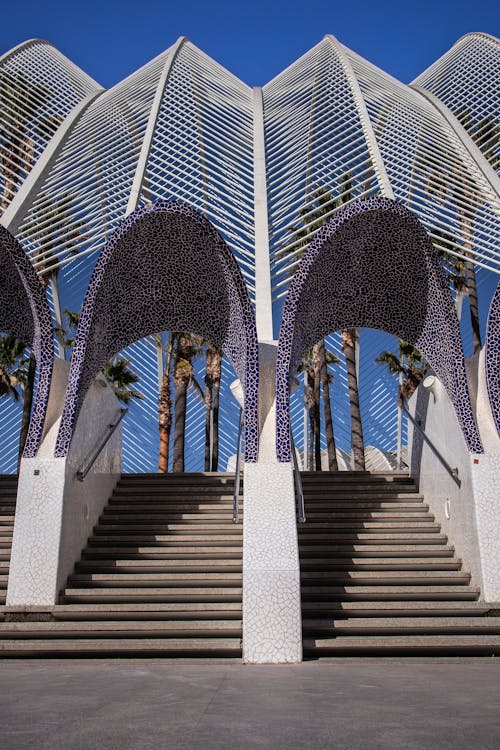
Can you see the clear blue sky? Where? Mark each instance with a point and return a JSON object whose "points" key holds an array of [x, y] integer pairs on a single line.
{"points": [[256, 40]]}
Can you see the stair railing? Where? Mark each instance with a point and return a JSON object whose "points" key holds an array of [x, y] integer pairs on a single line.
{"points": [[91, 459], [299, 491], [452, 471], [236, 493]]}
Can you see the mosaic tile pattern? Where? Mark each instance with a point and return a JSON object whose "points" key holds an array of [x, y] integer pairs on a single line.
{"points": [[272, 630], [25, 313], [486, 483], [493, 357], [164, 268], [37, 533], [373, 265]]}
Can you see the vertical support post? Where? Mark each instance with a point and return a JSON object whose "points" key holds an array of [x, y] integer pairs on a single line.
{"points": [[263, 297]]}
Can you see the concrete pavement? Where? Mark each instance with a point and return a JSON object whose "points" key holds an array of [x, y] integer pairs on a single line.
{"points": [[351, 704]]}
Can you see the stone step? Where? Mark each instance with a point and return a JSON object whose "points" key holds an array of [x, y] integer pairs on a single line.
{"points": [[385, 563], [155, 579], [121, 629], [407, 608], [402, 625], [325, 552], [190, 499], [389, 592], [374, 537], [166, 516], [138, 594], [174, 540], [385, 577], [142, 566], [358, 477], [128, 611], [181, 492], [164, 553], [385, 504], [371, 537], [462, 645], [116, 505], [405, 526], [189, 647], [172, 528], [323, 497]]}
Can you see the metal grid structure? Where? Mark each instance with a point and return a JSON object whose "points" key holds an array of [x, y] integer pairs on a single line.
{"points": [[335, 128], [465, 79]]}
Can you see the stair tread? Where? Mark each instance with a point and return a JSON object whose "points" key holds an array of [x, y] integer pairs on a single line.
{"points": [[395, 623], [197, 646], [402, 608], [384, 643], [111, 626]]}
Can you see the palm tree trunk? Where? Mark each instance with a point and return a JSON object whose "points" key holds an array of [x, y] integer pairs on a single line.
{"points": [[312, 421], [164, 422], [470, 277], [215, 425], [327, 410], [180, 423], [183, 376], [208, 408], [473, 305], [349, 336], [27, 403], [317, 416]]}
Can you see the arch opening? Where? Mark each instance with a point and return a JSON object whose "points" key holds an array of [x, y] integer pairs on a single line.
{"points": [[373, 265], [164, 268]]}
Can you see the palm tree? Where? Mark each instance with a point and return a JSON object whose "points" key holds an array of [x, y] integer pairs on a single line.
{"points": [[349, 340], [308, 366], [17, 371], [164, 403], [186, 347], [213, 375], [13, 366], [120, 377], [409, 365], [117, 372]]}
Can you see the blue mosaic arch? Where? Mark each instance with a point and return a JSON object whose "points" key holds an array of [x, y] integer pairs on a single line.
{"points": [[164, 268], [25, 313], [373, 265], [493, 356]]}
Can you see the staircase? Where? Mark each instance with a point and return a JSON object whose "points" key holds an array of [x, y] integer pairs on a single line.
{"points": [[161, 575], [379, 577], [8, 492]]}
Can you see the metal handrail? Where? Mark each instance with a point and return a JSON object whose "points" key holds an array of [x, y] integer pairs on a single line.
{"points": [[236, 493], [298, 483], [452, 471], [88, 463]]}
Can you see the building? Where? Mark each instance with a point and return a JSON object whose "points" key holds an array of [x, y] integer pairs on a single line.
{"points": [[182, 152]]}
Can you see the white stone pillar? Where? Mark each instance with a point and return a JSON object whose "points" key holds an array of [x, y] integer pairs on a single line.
{"points": [[55, 512], [272, 630]]}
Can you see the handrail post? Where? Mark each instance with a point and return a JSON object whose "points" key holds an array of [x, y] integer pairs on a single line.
{"points": [[237, 471], [87, 465], [298, 483]]}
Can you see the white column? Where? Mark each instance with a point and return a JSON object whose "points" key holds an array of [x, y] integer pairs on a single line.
{"points": [[263, 298], [272, 627]]}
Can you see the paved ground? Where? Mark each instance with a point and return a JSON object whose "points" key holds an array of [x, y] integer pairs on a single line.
{"points": [[154, 705]]}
